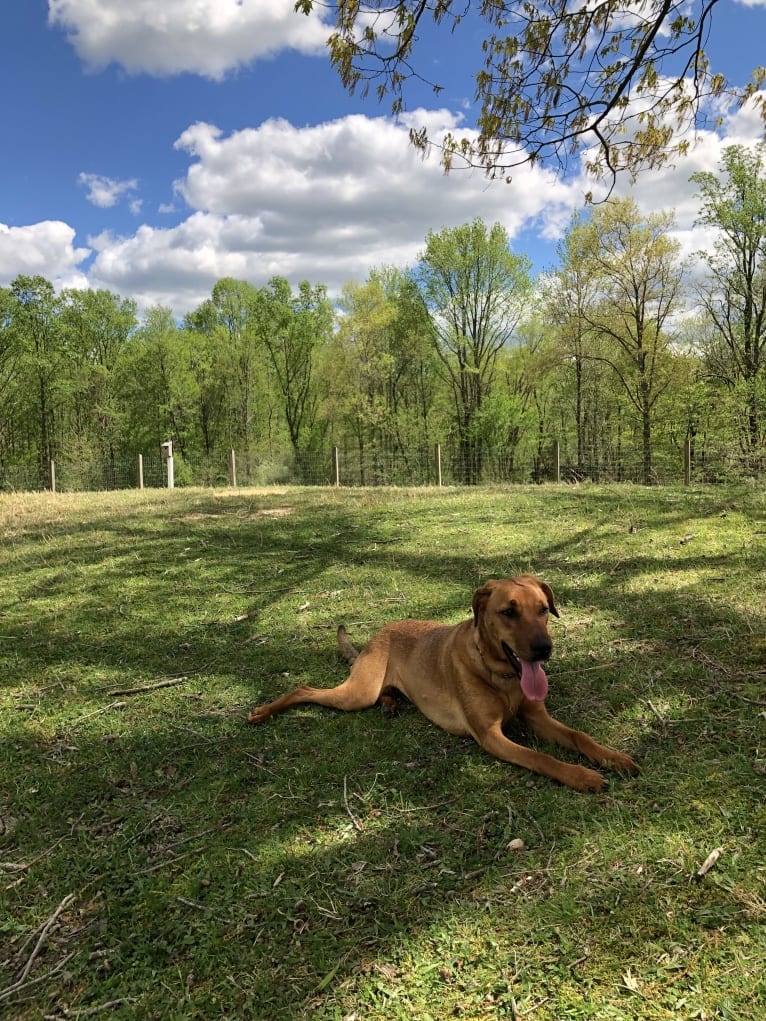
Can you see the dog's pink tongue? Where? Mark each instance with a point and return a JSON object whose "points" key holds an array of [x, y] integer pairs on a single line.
{"points": [[534, 683]]}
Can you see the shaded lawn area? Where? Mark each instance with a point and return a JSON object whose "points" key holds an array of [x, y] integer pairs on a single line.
{"points": [[161, 859]]}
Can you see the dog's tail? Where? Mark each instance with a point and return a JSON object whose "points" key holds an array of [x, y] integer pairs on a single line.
{"points": [[346, 648]]}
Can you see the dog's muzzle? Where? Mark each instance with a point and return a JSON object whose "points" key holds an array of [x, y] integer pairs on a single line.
{"points": [[512, 658], [541, 650]]}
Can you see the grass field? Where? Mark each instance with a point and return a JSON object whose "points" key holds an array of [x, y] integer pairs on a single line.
{"points": [[161, 859]]}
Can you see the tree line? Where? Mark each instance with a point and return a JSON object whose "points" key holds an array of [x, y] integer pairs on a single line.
{"points": [[622, 353]]}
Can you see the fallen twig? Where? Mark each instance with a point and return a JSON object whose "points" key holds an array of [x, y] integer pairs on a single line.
{"points": [[585, 670], [423, 808], [357, 825], [169, 861], [750, 701], [225, 824], [249, 854], [204, 907], [144, 688], [534, 1007], [536, 825], [46, 928], [97, 712], [656, 712], [19, 987], [90, 1011]]}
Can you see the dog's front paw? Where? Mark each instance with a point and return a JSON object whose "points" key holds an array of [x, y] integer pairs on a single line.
{"points": [[621, 763], [583, 779], [259, 714]]}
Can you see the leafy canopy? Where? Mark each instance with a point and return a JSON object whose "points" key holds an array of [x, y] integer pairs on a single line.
{"points": [[626, 80]]}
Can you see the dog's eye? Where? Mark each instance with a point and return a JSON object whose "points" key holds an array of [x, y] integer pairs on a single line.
{"points": [[510, 611], [544, 611]]}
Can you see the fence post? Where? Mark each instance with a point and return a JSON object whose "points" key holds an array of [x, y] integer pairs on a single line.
{"points": [[438, 461], [335, 467], [140, 471], [232, 469], [53, 476], [556, 461], [167, 451], [687, 462]]}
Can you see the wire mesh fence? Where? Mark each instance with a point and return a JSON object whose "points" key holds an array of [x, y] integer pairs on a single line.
{"points": [[433, 466]]}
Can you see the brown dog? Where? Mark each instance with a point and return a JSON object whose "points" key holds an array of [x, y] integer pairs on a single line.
{"points": [[471, 678]]}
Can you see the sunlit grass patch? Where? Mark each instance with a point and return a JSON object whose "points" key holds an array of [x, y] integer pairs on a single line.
{"points": [[332, 865]]}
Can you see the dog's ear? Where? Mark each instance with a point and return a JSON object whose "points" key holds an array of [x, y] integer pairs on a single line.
{"points": [[480, 597], [549, 596]]}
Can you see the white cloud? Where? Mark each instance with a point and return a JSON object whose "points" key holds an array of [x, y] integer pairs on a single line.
{"points": [[45, 248], [205, 37], [105, 192], [327, 203], [324, 203]]}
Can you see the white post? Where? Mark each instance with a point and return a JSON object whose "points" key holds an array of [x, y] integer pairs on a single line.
{"points": [[232, 469], [167, 453], [140, 471], [335, 467], [438, 462]]}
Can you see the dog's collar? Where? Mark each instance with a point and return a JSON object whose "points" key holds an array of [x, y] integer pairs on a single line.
{"points": [[513, 675]]}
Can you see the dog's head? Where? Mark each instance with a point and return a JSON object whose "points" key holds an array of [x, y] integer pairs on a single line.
{"points": [[511, 622]]}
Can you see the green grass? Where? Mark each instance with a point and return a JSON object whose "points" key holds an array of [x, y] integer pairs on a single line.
{"points": [[161, 859]]}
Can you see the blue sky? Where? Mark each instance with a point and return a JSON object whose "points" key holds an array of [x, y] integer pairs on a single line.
{"points": [[154, 146]]}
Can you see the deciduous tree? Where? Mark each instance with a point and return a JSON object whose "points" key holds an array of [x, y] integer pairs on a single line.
{"points": [[569, 299], [474, 289], [236, 304], [10, 351], [292, 329], [96, 326], [35, 323], [734, 205], [638, 273], [621, 78]]}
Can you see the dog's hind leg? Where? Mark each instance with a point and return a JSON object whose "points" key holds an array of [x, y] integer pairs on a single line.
{"points": [[361, 689], [346, 696]]}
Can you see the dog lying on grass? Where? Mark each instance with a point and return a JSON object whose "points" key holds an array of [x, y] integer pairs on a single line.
{"points": [[470, 679]]}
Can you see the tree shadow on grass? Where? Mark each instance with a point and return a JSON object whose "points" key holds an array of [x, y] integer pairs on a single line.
{"points": [[270, 872], [221, 870]]}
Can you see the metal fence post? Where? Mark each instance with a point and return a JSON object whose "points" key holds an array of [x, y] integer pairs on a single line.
{"points": [[438, 461], [140, 471], [335, 467], [232, 469]]}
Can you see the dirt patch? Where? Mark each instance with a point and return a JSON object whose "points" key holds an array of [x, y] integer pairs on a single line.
{"points": [[274, 512]]}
